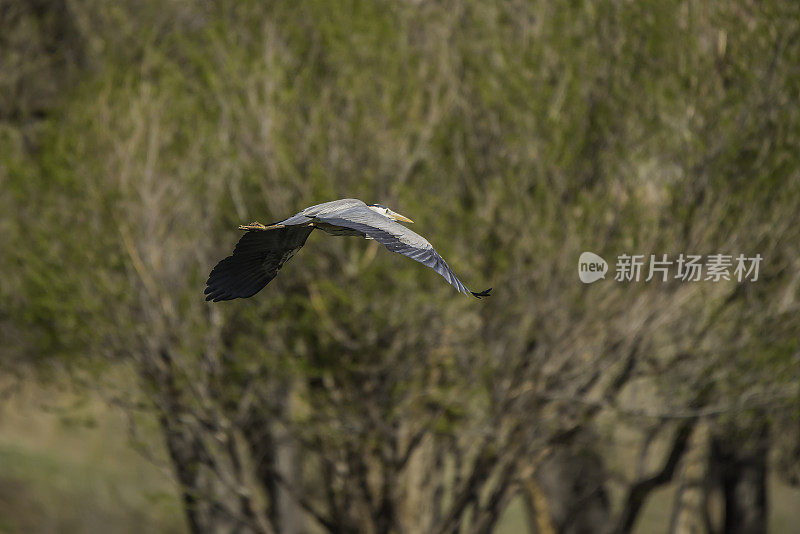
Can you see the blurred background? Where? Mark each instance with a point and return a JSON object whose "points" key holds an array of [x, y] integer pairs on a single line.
{"points": [[359, 392]]}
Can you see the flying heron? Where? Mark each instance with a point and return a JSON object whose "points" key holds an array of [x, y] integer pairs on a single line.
{"points": [[263, 250]]}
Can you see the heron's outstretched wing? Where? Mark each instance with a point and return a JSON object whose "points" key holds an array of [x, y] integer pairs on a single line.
{"points": [[255, 261], [396, 238]]}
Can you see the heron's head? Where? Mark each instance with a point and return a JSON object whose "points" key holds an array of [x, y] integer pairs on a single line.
{"points": [[386, 212]]}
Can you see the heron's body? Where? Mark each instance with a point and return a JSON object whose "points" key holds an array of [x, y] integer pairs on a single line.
{"points": [[264, 249]]}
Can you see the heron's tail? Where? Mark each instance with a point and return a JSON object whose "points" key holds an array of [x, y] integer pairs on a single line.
{"points": [[481, 294]]}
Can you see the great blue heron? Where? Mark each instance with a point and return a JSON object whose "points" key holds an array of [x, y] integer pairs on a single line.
{"points": [[263, 250]]}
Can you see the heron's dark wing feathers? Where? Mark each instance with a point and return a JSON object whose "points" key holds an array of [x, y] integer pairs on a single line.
{"points": [[255, 261], [397, 238]]}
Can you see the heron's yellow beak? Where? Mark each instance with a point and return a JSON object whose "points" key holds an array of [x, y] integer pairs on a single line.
{"points": [[398, 217]]}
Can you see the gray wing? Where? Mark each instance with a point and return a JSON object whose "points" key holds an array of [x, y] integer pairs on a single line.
{"points": [[396, 238], [326, 208], [255, 261]]}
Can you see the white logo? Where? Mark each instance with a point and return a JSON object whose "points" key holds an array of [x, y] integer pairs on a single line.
{"points": [[591, 267], [663, 268]]}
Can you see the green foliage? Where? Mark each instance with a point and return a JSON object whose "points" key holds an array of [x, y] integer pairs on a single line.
{"points": [[516, 134]]}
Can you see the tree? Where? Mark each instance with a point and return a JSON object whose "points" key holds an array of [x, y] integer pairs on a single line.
{"points": [[357, 392]]}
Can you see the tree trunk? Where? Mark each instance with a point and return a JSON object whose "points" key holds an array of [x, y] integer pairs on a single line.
{"points": [[275, 456], [570, 481], [689, 514], [743, 477]]}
